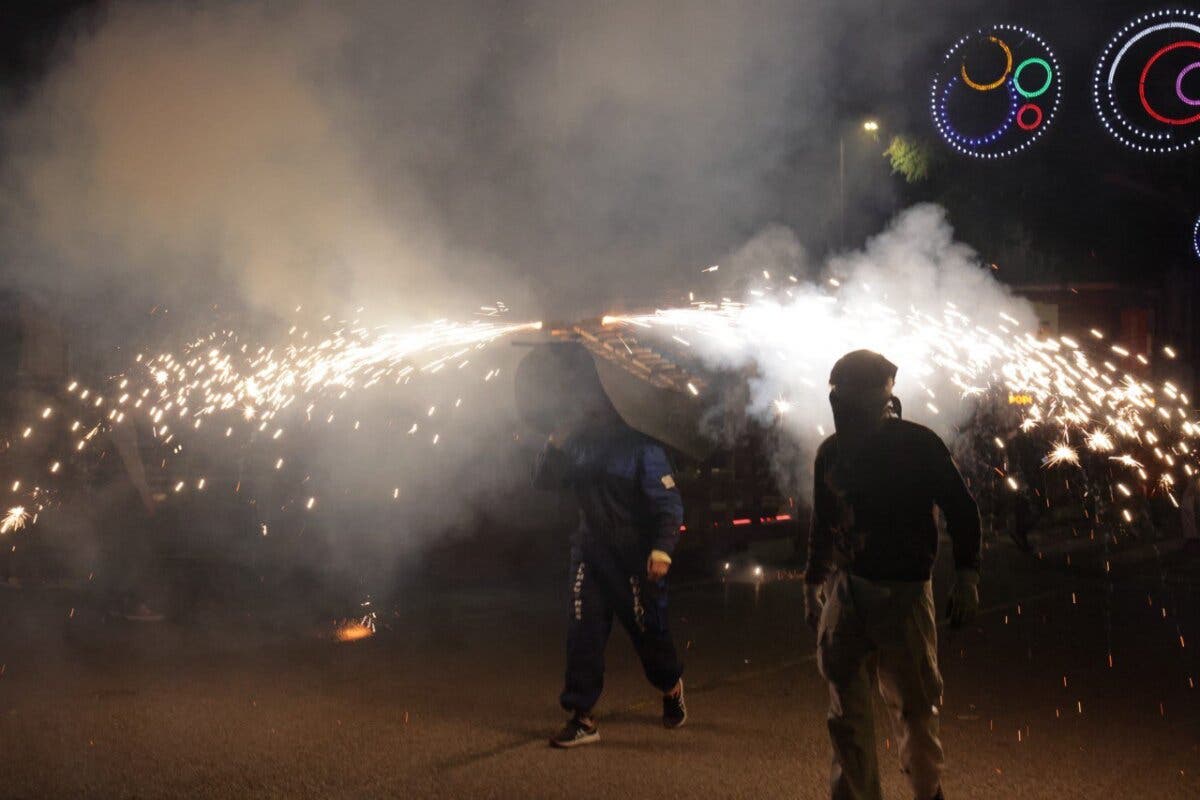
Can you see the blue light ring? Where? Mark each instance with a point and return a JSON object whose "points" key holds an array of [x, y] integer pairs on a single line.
{"points": [[986, 139]]}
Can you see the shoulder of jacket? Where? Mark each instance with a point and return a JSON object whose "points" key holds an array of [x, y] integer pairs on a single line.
{"points": [[825, 448], [917, 431]]}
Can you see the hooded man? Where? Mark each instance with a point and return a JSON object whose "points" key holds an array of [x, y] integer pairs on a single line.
{"points": [[629, 518], [868, 588]]}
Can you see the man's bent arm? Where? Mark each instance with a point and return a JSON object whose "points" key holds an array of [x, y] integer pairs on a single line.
{"points": [[666, 506], [959, 508], [820, 535]]}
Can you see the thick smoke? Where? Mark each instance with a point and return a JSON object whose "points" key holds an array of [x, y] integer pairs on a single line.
{"points": [[790, 338], [423, 157], [176, 149]]}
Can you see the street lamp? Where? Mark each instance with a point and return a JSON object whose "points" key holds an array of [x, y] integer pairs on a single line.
{"points": [[871, 126]]}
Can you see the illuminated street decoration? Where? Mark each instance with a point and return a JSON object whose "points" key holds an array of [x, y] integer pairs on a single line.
{"points": [[987, 87], [1023, 118], [980, 122], [1147, 87], [1026, 93]]}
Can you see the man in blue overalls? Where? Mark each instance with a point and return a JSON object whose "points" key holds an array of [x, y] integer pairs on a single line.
{"points": [[630, 514]]}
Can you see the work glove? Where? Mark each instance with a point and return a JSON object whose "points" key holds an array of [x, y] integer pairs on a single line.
{"points": [[964, 599], [657, 565], [814, 601]]}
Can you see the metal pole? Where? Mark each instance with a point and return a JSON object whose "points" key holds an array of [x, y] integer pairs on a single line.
{"points": [[842, 190]]}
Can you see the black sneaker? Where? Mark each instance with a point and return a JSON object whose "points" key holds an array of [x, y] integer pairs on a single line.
{"points": [[575, 733], [674, 709]]}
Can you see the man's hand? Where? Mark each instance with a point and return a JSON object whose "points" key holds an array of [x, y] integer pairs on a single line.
{"points": [[657, 568], [814, 601], [964, 599]]}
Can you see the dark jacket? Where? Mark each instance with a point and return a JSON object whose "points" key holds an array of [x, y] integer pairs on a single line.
{"points": [[628, 501], [873, 512]]}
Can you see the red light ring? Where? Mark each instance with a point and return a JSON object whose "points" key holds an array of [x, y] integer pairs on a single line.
{"points": [[1021, 117], [1142, 85]]}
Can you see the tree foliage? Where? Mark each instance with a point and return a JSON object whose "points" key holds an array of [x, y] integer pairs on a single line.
{"points": [[911, 157]]}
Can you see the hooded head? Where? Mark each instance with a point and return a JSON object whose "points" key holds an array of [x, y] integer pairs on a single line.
{"points": [[860, 393], [558, 388]]}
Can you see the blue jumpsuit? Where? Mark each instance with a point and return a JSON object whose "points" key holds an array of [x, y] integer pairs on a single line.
{"points": [[628, 506]]}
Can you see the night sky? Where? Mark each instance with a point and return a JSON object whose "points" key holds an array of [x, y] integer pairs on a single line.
{"points": [[1091, 209]]}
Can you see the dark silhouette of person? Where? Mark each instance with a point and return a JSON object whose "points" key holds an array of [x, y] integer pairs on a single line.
{"points": [[630, 513], [868, 590]]}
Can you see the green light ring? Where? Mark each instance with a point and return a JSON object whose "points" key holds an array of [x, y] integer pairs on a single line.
{"points": [[1041, 62]]}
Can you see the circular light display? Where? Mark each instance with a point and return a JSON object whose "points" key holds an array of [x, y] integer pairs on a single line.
{"points": [[1029, 117], [1026, 93], [1147, 83], [980, 122], [1196, 238]]}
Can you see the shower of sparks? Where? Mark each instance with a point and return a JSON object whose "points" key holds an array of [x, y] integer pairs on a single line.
{"points": [[1063, 453], [14, 519], [1070, 396], [256, 391], [1099, 442]]}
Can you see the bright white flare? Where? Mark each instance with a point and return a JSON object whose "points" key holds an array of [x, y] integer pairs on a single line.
{"points": [[14, 519]]}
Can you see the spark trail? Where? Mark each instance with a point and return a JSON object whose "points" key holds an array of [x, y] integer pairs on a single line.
{"points": [[954, 367], [253, 392]]}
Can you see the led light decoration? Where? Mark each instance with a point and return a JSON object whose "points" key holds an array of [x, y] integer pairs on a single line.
{"points": [[982, 123], [1196, 238], [1022, 117], [1179, 85], [1147, 88], [996, 84], [1026, 93]]}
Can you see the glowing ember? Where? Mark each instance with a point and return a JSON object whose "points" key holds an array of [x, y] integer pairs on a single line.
{"points": [[1062, 453], [14, 520], [353, 631], [1100, 442]]}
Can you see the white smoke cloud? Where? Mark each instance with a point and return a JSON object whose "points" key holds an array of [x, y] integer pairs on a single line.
{"points": [[791, 336], [421, 157], [179, 147]]}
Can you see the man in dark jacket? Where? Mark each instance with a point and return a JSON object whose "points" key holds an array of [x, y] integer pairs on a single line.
{"points": [[868, 590], [630, 513]]}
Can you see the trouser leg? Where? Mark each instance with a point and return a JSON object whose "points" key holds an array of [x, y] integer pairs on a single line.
{"points": [[912, 690], [588, 627], [846, 660], [642, 609]]}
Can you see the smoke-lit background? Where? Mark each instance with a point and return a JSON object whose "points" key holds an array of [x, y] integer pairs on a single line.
{"points": [[167, 165], [423, 156]]}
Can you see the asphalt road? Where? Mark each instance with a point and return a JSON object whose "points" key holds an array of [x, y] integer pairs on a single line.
{"points": [[456, 694]]}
